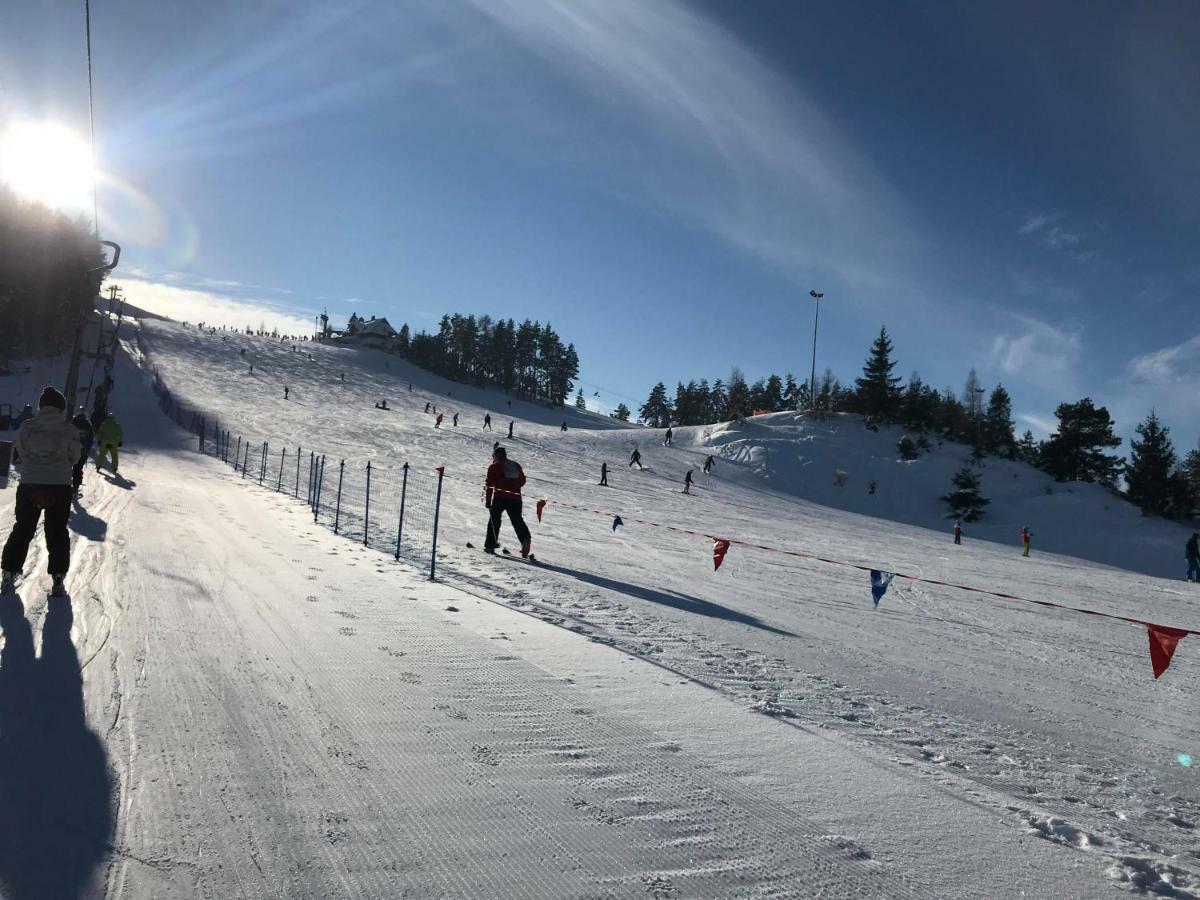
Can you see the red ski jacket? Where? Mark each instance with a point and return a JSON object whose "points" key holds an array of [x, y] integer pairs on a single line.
{"points": [[505, 477]]}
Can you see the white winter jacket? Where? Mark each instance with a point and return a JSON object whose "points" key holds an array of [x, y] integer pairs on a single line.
{"points": [[48, 447]]}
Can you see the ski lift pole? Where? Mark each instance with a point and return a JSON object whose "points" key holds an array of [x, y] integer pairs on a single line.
{"points": [[367, 511], [437, 509], [400, 527], [337, 513]]}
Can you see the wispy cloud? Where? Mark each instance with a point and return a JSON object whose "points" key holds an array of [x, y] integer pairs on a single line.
{"points": [[1041, 426], [1178, 364], [187, 304], [1036, 223], [1039, 353], [1052, 231]]}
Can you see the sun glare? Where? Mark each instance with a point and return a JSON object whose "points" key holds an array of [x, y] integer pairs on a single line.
{"points": [[48, 163]]}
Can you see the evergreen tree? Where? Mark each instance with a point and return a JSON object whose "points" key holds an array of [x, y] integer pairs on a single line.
{"points": [[1189, 473], [1076, 451], [580, 403], [621, 412], [1151, 472], [877, 392], [998, 425], [656, 411], [1027, 449], [907, 448], [403, 340], [791, 393], [772, 395], [737, 397], [965, 500]]}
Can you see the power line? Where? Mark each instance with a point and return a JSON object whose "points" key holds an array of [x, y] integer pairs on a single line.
{"points": [[87, 18]]}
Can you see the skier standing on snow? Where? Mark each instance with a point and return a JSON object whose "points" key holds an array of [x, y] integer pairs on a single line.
{"points": [[957, 532], [86, 435], [49, 448], [687, 482], [1192, 551], [286, 391], [110, 437], [636, 457], [510, 425], [667, 439], [564, 425], [1026, 534], [604, 474], [456, 420], [502, 494], [438, 422], [426, 406], [708, 464], [487, 422]]}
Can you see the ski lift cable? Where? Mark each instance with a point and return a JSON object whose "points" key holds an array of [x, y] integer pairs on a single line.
{"points": [[87, 18]]}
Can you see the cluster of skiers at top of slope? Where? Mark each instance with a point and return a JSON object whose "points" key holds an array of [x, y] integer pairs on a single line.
{"points": [[50, 451]]}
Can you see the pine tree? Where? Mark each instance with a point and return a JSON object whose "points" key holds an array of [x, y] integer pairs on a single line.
{"points": [[877, 391], [656, 411], [1075, 451], [621, 412], [403, 340], [737, 397], [1027, 449], [1189, 472], [965, 501], [907, 448], [1151, 467], [791, 393], [998, 425], [580, 403]]}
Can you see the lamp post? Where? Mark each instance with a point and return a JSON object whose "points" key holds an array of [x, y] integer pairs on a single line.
{"points": [[812, 381]]}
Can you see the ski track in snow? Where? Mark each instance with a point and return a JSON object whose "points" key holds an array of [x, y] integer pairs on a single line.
{"points": [[1048, 724]]}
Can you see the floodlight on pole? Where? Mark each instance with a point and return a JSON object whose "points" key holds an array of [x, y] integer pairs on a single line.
{"points": [[812, 381]]}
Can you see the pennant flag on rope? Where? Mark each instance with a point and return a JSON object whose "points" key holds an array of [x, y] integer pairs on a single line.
{"points": [[720, 548], [617, 521], [1162, 646], [541, 504], [879, 584]]}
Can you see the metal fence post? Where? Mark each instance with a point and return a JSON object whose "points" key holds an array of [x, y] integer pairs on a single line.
{"points": [[367, 511], [298, 448], [337, 513], [400, 527], [437, 509], [203, 431], [311, 462], [320, 484], [245, 459], [237, 453], [282, 460], [262, 466]]}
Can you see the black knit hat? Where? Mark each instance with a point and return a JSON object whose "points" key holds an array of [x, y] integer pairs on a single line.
{"points": [[53, 397]]}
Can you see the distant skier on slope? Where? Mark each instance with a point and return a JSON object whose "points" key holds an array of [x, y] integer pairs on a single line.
{"points": [[1026, 534], [708, 464], [487, 422], [564, 425], [502, 494], [286, 391], [957, 531], [426, 406], [636, 457], [667, 439], [49, 447], [437, 423], [687, 482], [383, 404], [456, 420], [604, 474], [1192, 552], [510, 427]]}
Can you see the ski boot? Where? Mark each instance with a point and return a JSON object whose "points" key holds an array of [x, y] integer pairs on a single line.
{"points": [[58, 588]]}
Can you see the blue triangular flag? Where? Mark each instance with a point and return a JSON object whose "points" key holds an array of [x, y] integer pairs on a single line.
{"points": [[617, 521], [879, 584]]}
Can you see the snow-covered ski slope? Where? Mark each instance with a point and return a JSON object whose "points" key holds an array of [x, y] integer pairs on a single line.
{"points": [[272, 710]]}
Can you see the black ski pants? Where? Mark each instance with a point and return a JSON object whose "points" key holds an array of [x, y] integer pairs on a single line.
{"points": [[32, 500], [501, 505]]}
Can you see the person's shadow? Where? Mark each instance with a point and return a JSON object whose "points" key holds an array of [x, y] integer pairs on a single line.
{"points": [[84, 524], [56, 813]]}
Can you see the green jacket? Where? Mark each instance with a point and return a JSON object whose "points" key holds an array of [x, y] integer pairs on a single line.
{"points": [[109, 431]]}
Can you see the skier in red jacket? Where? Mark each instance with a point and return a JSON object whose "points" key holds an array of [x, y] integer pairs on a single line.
{"points": [[502, 493]]}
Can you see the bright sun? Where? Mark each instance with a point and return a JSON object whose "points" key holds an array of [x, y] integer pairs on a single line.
{"points": [[48, 163]]}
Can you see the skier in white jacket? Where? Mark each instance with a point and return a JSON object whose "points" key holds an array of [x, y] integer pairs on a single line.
{"points": [[48, 448]]}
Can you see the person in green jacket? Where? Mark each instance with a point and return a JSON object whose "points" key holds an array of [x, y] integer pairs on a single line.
{"points": [[109, 437]]}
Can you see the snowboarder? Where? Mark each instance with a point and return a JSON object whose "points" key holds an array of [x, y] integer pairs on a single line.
{"points": [[487, 422], [636, 457], [708, 464], [49, 447], [1026, 534], [456, 420], [604, 474], [957, 531], [1192, 552], [438, 422], [86, 435], [426, 406], [510, 426], [110, 437], [687, 482], [502, 493], [667, 439], [286, 391]]}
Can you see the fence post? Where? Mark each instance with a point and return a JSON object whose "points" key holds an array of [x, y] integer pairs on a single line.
{"points": [[262, 466], [298, 449], [400, 527], [246, 460], [309, 494], [437, 509], [337, 513], [320, 484], [203, 431], [367, 511], [282, 460], [237, 453]]}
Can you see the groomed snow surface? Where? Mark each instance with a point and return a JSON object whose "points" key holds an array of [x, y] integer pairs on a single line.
{"points": [[267, 709]]}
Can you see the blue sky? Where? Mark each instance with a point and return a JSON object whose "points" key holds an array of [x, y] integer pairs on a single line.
{"points": [[1013, 187]]}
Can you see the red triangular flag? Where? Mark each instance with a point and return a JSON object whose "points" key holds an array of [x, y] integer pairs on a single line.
{"points": [[1162, 645], [541, 504], [720, 548]]}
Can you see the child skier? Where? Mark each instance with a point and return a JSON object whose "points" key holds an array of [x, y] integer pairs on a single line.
{"points": [[502, 494], [1026, 534], [957, 532], [510, 426], [687, 482], [636, 457]]}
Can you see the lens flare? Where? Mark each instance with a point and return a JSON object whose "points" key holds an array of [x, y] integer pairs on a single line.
{"points": [[47, 162]]}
